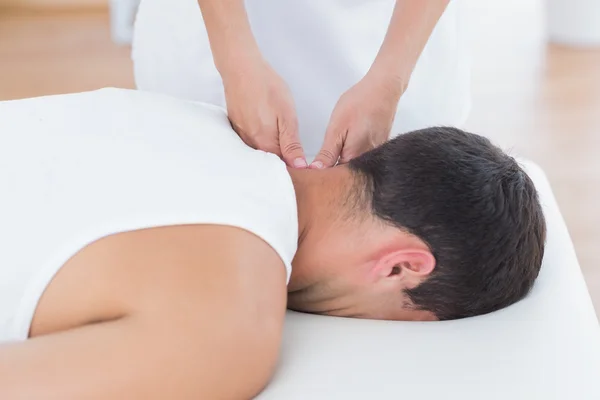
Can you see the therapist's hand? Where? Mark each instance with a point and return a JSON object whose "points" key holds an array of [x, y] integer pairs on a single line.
{"points": [[262, 112], [362, 120]]}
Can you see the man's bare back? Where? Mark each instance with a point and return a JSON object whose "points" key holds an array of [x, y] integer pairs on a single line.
{"points": [[171, 295]]}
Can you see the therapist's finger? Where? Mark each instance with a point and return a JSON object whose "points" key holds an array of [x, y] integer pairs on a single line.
{"points": [[267, 140], [289, 141], [330, 152]]}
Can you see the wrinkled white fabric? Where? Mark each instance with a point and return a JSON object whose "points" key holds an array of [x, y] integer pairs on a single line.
{"points": [[76, 168]]}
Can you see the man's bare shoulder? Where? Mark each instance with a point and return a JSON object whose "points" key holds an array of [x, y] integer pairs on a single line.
{"points": [[199, 264]]}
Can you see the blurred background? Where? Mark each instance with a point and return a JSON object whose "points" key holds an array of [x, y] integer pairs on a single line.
{"points": [[535, 67]]}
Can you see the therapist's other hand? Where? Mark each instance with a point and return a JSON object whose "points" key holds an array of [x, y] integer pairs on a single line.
{"points": [[361, 120], [262, 112]]}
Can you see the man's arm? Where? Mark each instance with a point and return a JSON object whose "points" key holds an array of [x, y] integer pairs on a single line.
{"points": [[208, 326], [408, 33]]}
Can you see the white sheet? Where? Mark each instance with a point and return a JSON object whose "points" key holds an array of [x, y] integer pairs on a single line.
{"points": [[545, 347]]}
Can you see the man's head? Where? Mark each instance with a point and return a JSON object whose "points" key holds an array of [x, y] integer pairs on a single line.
{"points": [[434, 224]]}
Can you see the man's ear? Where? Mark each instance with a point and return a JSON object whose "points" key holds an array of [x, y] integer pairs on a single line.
{"points": [[407, 264]]}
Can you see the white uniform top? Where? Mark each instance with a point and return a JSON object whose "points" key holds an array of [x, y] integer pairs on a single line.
{"points": [[320, 47], [76, 168]]}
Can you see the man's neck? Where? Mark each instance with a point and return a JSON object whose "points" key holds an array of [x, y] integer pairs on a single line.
{"points": [[319, 197]]}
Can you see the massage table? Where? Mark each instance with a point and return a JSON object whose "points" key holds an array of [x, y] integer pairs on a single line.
{"points": [[545, 347]]}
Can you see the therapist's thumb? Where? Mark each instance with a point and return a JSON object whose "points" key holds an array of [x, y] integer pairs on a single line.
{"points": [[289, 142], [330, 151]]}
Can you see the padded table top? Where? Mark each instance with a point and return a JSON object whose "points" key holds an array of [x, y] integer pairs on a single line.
{"points": [[544, 347]]}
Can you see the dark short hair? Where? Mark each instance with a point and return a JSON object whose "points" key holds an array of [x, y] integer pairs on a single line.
{"points": [[474, 207]]}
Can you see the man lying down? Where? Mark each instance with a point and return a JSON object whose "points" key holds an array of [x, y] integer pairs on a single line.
{"points": [[148, 253]]}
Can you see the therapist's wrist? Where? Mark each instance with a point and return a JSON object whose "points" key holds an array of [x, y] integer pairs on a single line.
{"points": [[388, 80], [236, 53], [240, 64]]}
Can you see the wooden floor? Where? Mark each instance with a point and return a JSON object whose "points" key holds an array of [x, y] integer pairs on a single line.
{"points": [[59, 52], [541, 101]]}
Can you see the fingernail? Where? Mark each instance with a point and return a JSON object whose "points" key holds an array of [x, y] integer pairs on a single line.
{"points": [[317, 165], [300, 163]]}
